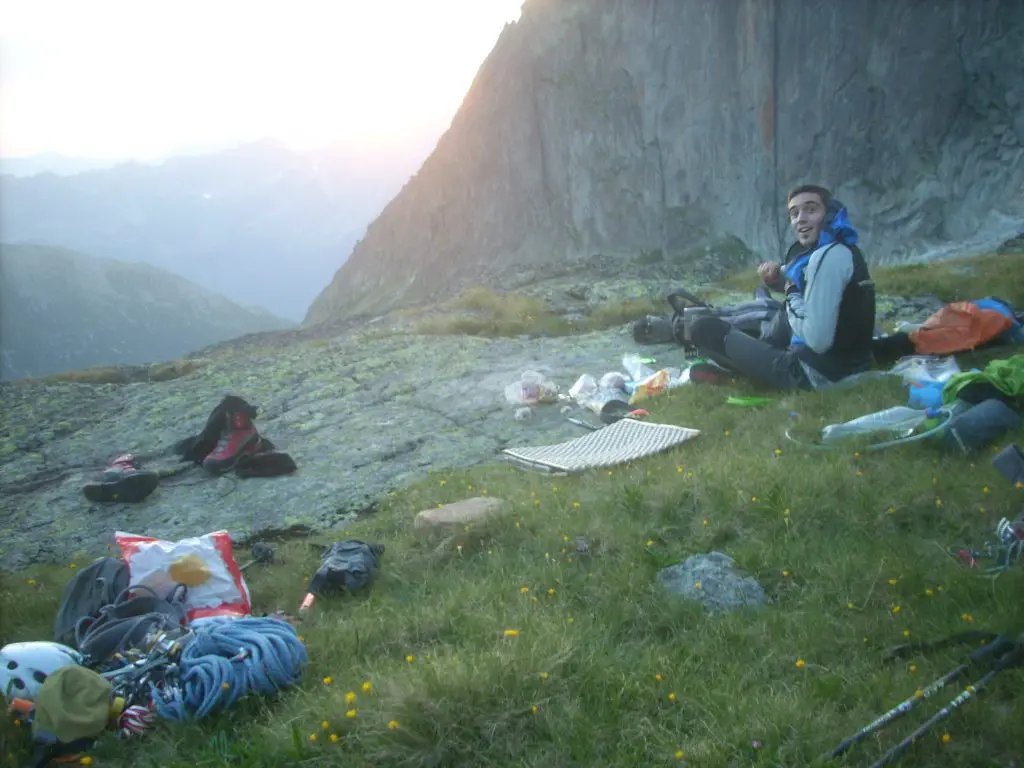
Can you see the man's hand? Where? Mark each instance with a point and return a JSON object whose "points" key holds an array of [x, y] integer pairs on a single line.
{"points": [[770, 272], [789, 284]]}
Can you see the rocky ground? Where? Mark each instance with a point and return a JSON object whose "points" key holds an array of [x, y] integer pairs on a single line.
{"points": [[362, 411]]}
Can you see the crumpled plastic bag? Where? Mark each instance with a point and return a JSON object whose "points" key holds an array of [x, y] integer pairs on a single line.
{"points": [[589, 394], [532, 388], [923, 369]]}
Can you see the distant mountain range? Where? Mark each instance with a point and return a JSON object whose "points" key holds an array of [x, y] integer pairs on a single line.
{"points": [[52, 162], [259, 223], [62, 311]]}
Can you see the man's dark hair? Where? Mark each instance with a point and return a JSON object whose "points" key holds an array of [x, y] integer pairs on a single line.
{"points": [[821, 192]]}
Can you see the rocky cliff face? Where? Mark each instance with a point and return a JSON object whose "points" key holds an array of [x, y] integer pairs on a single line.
{"points": [[660, 127]]}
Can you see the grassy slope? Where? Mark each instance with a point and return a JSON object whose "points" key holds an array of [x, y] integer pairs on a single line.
{"points": [[848, 547], [954, 280]]}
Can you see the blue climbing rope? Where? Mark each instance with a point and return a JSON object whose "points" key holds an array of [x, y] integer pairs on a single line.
{"points": [[227, 661]]}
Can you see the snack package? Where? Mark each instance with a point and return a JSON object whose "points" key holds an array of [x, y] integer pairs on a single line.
{"points": [[205, 564]]}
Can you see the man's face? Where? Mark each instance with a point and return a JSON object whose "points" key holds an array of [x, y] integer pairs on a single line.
{"points": [[806, 215]]}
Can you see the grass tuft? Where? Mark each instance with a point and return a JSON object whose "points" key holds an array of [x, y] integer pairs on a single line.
{"points": [[483, 312], [127, 374]]}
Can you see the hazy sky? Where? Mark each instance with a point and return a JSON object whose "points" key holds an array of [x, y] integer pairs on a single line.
{"points": [[141, 78]]}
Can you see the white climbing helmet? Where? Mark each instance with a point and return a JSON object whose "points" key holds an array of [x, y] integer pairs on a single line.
{"points": [[24, 667]]}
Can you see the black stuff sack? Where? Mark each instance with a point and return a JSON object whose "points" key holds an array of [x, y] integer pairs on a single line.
{"points": [[348, 566]]}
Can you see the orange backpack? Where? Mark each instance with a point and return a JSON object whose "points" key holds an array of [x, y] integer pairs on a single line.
{"points": [[958, 327]]}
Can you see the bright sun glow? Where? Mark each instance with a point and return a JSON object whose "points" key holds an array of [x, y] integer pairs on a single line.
{"points": [[120, 78]]}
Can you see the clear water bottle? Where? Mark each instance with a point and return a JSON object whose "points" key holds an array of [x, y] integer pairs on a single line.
{"points": [[900, 420]]}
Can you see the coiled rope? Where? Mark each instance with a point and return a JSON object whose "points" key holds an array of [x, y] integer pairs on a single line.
{"points": [[230, 660]]}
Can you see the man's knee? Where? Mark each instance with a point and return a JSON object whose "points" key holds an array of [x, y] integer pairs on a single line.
{"points": [[710, 333]]}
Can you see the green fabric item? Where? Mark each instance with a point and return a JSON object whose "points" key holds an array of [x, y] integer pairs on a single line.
{"points": [[750, 401], [1005, 375], [73, 703]]}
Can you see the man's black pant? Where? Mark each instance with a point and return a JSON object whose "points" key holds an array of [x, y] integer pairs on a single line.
{"points": [[747, 356]]}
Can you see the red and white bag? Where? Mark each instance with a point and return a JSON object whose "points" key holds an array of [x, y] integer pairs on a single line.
{"points": [[205, 564]]}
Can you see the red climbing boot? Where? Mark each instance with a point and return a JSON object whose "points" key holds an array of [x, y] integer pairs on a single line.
{"points": [[238, 438]]}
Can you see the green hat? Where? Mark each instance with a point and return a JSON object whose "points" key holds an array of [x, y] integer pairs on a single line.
{"points": [[73, 703]]}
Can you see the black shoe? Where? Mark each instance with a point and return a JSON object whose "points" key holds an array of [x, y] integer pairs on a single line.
{"points": [[122, 482]]}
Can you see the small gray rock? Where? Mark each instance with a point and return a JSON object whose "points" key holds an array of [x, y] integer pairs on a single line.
{"points": [[714, 581], [578, 292]]}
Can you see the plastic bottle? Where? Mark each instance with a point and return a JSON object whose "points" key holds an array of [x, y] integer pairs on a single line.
{"points": [[900, 419]]}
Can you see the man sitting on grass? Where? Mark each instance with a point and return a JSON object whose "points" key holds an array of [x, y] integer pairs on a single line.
{"points": [[830, 306]]}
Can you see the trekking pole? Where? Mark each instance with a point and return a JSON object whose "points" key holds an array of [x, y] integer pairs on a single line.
{"points": [[998, 645], [1012, 658]]}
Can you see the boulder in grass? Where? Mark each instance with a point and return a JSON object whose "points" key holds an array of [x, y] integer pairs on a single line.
{"points": [[465, 512], [715, 581]]}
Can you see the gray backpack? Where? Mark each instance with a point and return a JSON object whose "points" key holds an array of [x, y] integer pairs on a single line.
{"points": [[91, 588], [763, 318], [100, 614]]}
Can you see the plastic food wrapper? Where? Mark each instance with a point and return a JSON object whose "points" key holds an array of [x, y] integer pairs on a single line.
{"points": [[635, 367], [658, 382], [652, 385], [205, 564], [532, 388]]}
